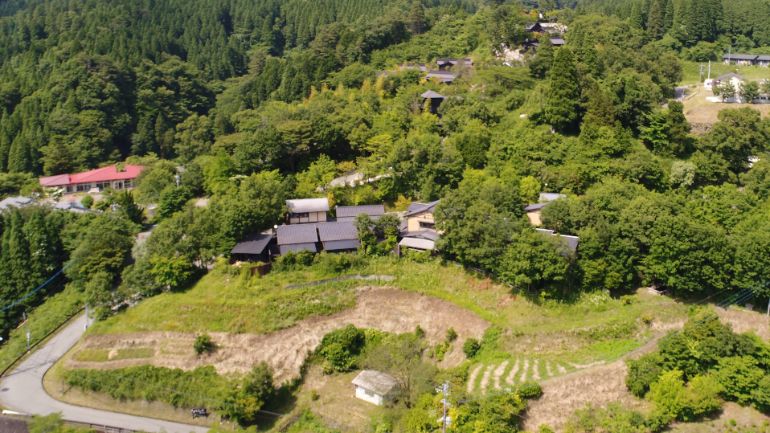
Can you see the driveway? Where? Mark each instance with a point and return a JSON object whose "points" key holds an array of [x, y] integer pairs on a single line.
{"points": [[22, 390]]}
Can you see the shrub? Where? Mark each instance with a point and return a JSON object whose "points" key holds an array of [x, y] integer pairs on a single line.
{"points": [[203, 344], [243, 403], [87, 201], [419, 332], [289, 261], [739, 376], [471, 347], [642, 372], [451, 335], [340, 349], [335, 263], [674, 401], [530, 390]]}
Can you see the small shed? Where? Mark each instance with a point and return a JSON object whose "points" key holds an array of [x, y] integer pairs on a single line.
{"points": [[435, 99], [254, 248], [375, 387], [557, 42]]}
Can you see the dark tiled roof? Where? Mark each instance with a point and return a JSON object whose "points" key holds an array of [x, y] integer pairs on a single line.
{"points": [[354, 211], [337, 231], [254, 244], [297, 234], [418, 207]]}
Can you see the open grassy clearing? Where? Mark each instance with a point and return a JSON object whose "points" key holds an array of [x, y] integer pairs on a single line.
{"points": [[691, 71], [700, 111]]}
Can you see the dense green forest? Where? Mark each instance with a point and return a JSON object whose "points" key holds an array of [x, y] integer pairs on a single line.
{"points": [[234, 106]]}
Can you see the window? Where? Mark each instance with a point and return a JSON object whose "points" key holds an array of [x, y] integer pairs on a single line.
{"points": [[301, 215], [368, 393], [427, 225]]}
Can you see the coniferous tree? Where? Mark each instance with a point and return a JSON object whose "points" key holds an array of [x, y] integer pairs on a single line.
{"points": [[655, 20], [416, 18], [561, 109]]}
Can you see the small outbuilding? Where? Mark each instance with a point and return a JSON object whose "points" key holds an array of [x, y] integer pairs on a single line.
{"points": [[375, 387], [435, 99], [444, 77], [255, 248]]}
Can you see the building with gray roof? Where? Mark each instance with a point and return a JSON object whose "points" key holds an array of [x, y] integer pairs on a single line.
{"points": [[349, 213], [297, 237], [375, 387], [253, 248], [338, 236]]}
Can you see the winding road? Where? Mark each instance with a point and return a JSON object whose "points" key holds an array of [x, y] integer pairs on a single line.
{"points": [[22, 390]]}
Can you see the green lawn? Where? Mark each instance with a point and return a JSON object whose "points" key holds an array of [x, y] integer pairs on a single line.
{"points": [[691, 71], [42, 320], [596, 326]]}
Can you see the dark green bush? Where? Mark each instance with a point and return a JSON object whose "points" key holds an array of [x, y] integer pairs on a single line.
{"points": [[451, 335], [471, 347], [201, 387], [340, 349], [642, 372], [203, 344], [530, 390], [289, 261]]}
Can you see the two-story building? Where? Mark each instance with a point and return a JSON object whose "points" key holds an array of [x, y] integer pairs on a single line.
{"points": [[419, 227], [307, 210]]}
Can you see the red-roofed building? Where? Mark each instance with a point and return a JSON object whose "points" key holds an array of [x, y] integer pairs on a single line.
{"points": [[112, 176]]}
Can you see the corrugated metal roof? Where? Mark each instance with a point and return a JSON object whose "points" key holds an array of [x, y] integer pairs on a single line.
{"points": [[550, 196], [430, 94], [304, 205], [354, 211], [297, 234], [376, 381], [254, 244], [418, 243], [337, 231], [571, 242]]}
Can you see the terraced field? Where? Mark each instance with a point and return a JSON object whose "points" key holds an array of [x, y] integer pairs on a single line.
{"points": [[486, 377]]}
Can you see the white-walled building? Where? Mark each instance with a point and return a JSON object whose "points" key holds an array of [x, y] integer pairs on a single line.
{"points": [[375, 387]]}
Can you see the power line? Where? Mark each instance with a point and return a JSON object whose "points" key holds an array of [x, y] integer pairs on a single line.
{"points": [[32, 292]]}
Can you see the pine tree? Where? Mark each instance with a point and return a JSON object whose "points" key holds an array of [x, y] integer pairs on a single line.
{"points": [[416, 18], [668, 15], [655, 20], [561, 109]]}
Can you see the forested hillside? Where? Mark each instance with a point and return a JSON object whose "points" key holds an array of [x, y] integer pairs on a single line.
{"points": [[87, 82]]}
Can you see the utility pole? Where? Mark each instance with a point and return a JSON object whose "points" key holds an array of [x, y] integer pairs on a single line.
{"points": [[445, 392], [28, 333], [701, 72], [86, 325]]}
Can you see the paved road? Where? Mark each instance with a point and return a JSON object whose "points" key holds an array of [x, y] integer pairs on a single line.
{"points": [[22, 390]]}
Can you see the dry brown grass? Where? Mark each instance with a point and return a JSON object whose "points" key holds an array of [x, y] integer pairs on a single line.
{"points": [[386, 309], [336, 404], [746, 321], [733, 418], [699, 111]]}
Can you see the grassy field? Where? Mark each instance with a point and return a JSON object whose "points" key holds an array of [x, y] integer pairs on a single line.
{"points": [[595, 327], [42, 320], [691, 71]]}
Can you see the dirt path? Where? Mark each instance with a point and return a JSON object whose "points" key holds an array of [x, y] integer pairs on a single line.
{"points": [[387, 309]]}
